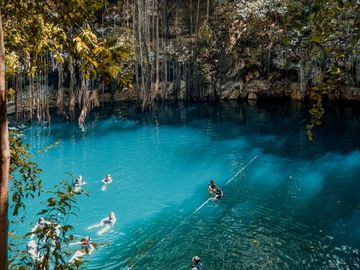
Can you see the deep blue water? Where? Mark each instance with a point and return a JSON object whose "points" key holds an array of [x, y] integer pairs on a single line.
{"points": [[294, 206]]}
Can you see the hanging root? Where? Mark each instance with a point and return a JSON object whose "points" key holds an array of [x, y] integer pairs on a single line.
{"points": [[72, 106], [82, 116], [92, 101]]}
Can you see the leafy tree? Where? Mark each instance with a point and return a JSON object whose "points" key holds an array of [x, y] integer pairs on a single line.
{"points": [[31, 30], [319, 39], [24, 173], [326, 36], [52, 239], [235, 27]]}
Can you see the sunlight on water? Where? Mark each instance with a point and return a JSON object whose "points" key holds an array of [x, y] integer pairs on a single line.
{"points": [[289, 205]]}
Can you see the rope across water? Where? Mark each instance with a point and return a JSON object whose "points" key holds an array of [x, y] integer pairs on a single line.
{"points": [[196, 210]]}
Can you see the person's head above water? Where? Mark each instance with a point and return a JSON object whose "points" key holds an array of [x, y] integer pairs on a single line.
{"points": [[195, 260], [85, 240], [79, 177], [112, 215], [41, 221], [32, 244], [212, 183]]}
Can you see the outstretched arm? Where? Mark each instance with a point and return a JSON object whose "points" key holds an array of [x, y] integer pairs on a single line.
{"points": [[95, 225], [91, 249], [33, 230], [75, 243]]}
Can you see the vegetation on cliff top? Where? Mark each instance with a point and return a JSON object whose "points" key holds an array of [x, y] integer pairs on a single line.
{"points": [[165, 50]]}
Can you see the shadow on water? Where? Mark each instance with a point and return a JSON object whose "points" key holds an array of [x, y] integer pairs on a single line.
{"points": [[272, 218], [340, 131], [243, 231], [248, 235]]}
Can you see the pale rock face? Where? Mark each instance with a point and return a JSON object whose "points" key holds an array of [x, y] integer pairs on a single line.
{"points": [[182, 93], [358, 65], [296, 95], [351, 93], [252, 96], [256, 86], [280, 58], [231, 90], [238, 66]]}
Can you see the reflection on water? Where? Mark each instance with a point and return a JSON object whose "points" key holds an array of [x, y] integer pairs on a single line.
{"points": [[296, 206]]}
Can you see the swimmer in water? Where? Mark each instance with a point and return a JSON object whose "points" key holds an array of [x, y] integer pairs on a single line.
{"points": [[79, 182], [196, 264], [33, 251], [107, 180], [41, 223], [212, 187], [86, 247], [107, 223], [218, 194], [54, 232]]}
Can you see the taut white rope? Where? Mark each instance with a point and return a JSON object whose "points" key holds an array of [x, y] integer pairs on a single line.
{"points": [[197, 209], [243, 168]]}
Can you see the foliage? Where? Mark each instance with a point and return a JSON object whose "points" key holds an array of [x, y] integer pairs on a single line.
{"points": [[52, 239], [234, 27], [109, 58], [24, 173], [260, 8], [317, 38], [34, 30], [326, 36]]}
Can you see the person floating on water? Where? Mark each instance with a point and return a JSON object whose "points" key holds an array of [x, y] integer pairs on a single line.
{"points": [[214, 190], [212, 187], [196, 264], [107, 223], [33, 251], [79, 182], [41, 223], [107, 180], [54, 233], [218, 194], [86, 247]]}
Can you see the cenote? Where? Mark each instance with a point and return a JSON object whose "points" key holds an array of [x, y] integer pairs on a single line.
{"points": [[287, 204]]}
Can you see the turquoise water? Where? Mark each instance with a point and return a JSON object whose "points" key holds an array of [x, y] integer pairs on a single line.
{"points": [[286, 205]]}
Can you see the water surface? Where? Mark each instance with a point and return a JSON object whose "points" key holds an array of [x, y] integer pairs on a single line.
{"points": [[294, 206]]}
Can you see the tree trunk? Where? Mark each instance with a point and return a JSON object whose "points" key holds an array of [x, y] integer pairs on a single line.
{"points": [[31, 89], [5, 159], [157, 54], [164, 56], [142, 73], [72, 89], [60, 94], [46, 84], [197, 16], [127, 13], [207, 9], [18, 94], [191, 19], [134, 24]]}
